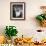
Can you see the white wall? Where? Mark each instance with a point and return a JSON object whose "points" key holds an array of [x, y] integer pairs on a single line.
{"points": [[25, 27]]}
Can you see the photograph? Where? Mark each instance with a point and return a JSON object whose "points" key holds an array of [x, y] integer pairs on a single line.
{"points": [[17, 10]]}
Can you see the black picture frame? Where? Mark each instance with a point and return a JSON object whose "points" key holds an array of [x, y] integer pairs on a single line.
{"points": [[17, 10]]}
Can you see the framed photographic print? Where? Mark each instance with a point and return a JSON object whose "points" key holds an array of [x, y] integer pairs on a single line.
{"points": [[17, 11]]}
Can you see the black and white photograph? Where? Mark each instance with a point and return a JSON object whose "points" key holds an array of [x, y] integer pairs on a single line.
{"points": [[17, 10]]}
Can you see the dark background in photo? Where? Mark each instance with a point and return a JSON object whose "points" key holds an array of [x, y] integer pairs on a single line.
{"points": [[17, 11]]}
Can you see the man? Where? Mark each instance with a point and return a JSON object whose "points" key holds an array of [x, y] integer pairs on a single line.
{"points": [[17, 11]]}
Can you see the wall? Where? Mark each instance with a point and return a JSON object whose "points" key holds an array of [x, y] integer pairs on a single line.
{"points": [[26, 27]]}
